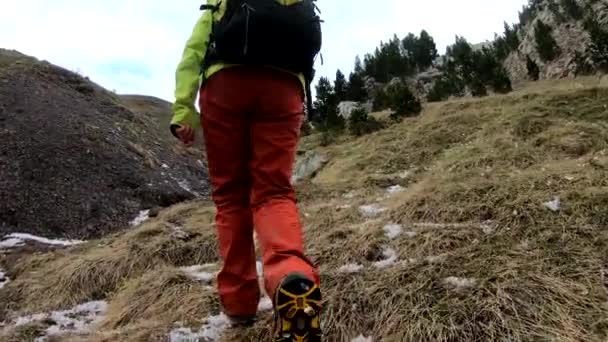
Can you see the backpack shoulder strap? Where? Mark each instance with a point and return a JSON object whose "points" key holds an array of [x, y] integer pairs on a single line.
{"points": [[211, 7]]}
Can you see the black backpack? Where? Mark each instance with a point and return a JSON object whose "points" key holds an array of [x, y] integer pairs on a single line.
{"points": [[282, 33]]}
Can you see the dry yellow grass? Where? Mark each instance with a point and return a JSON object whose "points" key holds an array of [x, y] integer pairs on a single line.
{"points": [[480, 257]]}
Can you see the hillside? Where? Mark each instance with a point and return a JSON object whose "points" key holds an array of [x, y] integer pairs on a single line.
{"points": [[569, 32], [78, 161], [479, 220]]}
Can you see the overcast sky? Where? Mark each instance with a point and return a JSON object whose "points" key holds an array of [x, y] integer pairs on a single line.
{"points": [[133, 46]]}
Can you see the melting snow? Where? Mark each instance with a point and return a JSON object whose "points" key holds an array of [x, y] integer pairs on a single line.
{"points": [[395, 189], [371, 210], [459, 283], [410, 235], [197, 272], [350, 268], [165, 166], [405, 174], [141, 217], [178, 233], [362, 338], [79, 319], [554, 205], [265, 304], [211, 331], [434, 259], [18, 239], [349, 195], [391, 258], [393, 230], [3, 279], [10, 243]]}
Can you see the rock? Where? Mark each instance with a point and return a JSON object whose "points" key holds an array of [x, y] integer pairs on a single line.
{"points": [[345, 108], [308, 165], [76, 161]]}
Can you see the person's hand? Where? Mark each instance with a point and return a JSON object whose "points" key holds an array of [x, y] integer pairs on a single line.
{"points": [[185, 134]]}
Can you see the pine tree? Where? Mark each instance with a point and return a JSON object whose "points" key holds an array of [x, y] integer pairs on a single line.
{"points": [[599, 44], [533, 69], [325, 103], [402, 101], [425, 51], [356, 84], [545, 43], [511, 37], [340, 86], [573, 9]]}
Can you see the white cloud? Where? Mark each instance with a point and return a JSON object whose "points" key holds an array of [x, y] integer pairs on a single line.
{"points": [[133, 46]]}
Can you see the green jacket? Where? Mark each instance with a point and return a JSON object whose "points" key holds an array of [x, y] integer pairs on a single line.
{"points": [[188, 75]]}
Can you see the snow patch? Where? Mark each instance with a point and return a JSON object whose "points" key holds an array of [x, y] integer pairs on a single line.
{"points": [[405, 174], [165, 166], [554, 205], [3, 279], [350, 268], [18, 239], [393, 230], [78, 320], [186, 186], [210, 331], [460, 283], [140, 218], [433, 259], [395, 189], [265, 304], [410, 235], [488, 227], [349, 195], [362, 338], [199, 273], [179, 233], [11, 243], [390, 258], [371, 210], [259, 266]]}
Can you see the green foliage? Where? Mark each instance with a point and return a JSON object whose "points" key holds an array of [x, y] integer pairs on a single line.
{"points": [[545, 43], [556, 11], [598, 50], [340, 86], [360, 123], [473, 69], [511, 37], [402, 101], [449, 84], [583, 64], [356, 85], [381, 100], [326, 106], [529, 12], [533, 69], [572, 9], [501, 83], [399, 58]]}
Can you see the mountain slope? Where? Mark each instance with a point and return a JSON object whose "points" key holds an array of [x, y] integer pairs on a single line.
{"points": [[75, 162], [480, 220]]}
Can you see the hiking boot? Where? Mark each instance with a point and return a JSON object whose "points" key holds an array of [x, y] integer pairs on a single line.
{"points": [[298, 310]]}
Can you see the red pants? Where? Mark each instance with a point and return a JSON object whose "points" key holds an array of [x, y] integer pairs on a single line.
{"points": [[251, 121]]}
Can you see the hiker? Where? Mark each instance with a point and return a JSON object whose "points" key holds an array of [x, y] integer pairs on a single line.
{"points": [[252, 62]]}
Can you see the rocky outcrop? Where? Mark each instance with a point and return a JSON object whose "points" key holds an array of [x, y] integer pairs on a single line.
{"points": [[76, 161], [570, 36]]}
